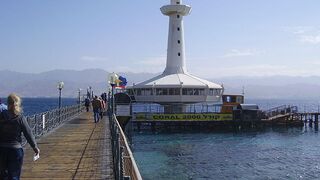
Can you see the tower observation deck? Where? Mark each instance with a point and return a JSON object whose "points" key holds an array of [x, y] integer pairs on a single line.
{"points": [[176, 84]]}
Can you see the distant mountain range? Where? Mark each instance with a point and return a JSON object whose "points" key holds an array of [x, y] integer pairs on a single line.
{"points": [[44, 84]]}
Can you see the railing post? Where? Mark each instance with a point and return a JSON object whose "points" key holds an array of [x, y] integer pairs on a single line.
{"points": [[35, 126], [121, 163], [117, 156]]}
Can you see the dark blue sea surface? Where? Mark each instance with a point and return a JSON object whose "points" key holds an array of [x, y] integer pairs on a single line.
{"points": [[37, 105], [270, 153]]}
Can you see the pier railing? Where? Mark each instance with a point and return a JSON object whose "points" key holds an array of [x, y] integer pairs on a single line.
{"points": [[281, 110], [44, 122], [125, 167]]}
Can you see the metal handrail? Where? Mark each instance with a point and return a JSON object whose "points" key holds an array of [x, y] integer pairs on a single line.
{"points": [[124, 164], [189, 108], [281, 110], [45, 122]]}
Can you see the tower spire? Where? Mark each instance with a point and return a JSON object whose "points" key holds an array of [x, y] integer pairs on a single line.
{"points": [[176, 62]]}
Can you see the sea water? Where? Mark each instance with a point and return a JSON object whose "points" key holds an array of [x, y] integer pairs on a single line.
{"points": [[37, 105], [278, 153], [271, 153]]}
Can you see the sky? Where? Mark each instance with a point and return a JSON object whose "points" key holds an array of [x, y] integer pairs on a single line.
{"points": [[222, 37]]}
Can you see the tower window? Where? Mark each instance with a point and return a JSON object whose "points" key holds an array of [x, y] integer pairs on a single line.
{"points": [[178, 16], [178, 29], [179, 54], [178, 41], [178, 2]]}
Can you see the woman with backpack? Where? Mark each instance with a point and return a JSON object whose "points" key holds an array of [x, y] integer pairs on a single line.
{"points": [[12, 124]]}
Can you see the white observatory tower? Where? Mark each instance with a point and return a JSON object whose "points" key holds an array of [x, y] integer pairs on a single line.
{"points": [[176, 62], [175, 85]]}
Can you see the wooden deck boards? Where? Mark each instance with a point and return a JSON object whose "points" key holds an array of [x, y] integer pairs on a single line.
{"points": [[80, 149]]}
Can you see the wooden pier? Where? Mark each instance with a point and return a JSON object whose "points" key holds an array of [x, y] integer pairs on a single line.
{"points": [[80, 149]]}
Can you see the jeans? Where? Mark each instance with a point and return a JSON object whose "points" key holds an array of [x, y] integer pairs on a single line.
{"points": [[11, 160], [96, 115]]}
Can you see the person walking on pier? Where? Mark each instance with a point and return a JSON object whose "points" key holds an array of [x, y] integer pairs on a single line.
{"points": [[87, 104], [96, 106], [2, 106], [103, 106], [12, 124]]}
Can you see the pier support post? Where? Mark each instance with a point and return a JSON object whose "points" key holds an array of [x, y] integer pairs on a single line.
{"points": [[153, 127], [139, 126], [310, 118], [316, 118], [305, 119]]}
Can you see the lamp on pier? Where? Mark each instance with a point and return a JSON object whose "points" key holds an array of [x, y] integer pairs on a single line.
{"points": [[60, 87], [112, 80], [79, 95], [89, 92]]}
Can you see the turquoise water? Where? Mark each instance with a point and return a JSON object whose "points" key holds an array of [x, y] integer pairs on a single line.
{"points": [[271, 153], [282, 153]]}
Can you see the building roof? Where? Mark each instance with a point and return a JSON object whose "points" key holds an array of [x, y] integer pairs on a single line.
{"points": [[177, 80]]}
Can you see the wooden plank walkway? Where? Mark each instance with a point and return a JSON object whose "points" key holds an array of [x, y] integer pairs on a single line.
{"points": [[80, 149]]}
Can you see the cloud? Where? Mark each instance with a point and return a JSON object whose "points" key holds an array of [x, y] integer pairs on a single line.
{"points": [[241, 53], [305, 34], [299, 29], [153, 61], [254, 71], [151, 64], [317, 63], [93, 58], [148, 65], [312, 39], [121, 69]]}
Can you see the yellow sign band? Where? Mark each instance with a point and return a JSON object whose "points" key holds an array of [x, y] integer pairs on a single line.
{"points": [[185, 117]]}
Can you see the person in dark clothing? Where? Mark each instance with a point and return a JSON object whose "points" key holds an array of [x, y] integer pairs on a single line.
{"points": [[104, 97], [12, 124], [87, 104], [96, 106], [103, 106]]}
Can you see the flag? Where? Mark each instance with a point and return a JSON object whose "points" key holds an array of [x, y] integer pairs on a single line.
{"points": [[123, 82]]}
